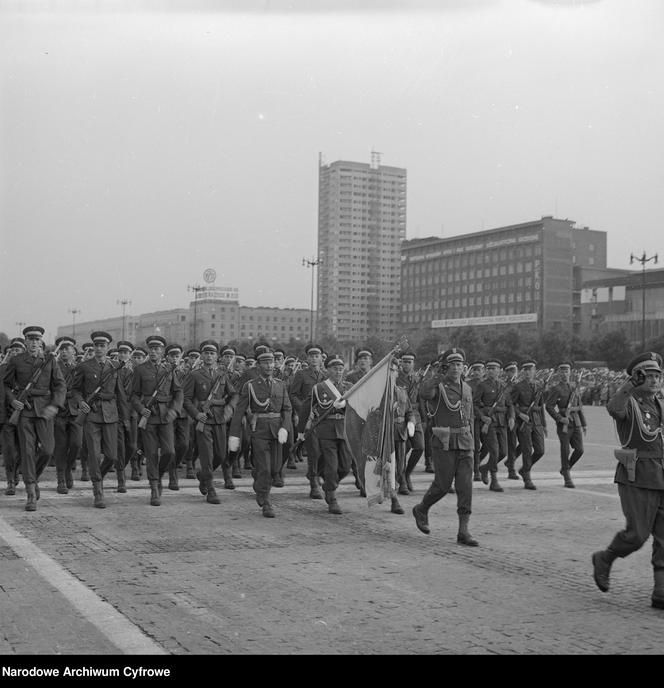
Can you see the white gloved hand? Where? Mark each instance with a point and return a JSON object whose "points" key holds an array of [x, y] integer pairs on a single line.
{"points": [[339, 404], [410, 426], [300, 437], [282, 435], [233, 443]]}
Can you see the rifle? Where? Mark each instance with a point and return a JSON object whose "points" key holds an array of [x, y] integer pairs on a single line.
{"points": [[23, 396], [499, 398], [150, 402], [572, 402], [91, 398], [205, 408], [537, 400]]}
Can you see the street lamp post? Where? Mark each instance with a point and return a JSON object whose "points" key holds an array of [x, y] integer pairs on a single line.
{"points": [[124, 303], [20, 325], [643, 260], [311, 263], [195, 288], [73, 312]]}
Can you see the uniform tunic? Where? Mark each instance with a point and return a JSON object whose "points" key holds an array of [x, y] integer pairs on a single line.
{"points": [[563, 404]]}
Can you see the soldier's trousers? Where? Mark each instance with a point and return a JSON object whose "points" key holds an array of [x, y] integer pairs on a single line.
{"points": [[100, 438], [182, 435], [477, 439], [211, 447], [126, 446], [644, 516], [30, 431], [336, 459], [572, 438], [416, 446], [531, 439], [495, 443], [400, 459], [312, 445], [451, 466], [266, 458], [512, 444], [68, 440], [158, 436], [10, 451]]}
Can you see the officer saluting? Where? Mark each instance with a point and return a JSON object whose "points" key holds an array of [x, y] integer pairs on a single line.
{"points": [[35, 388]]}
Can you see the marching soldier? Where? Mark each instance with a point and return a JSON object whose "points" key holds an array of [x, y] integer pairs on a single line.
{"points": [[181, 425], [300, 396], [513, 449], [267, 401], [404, 429], [410, 382], [157, 397], [67, 432], [563, 404], [328, 410], [127, 430], [526, 397], [227, 357], [475, 376], [101, 399], [10, 445], [450, 403], [138, 357], [363, 364], [35, 388], [210, 399], [489, 399]]}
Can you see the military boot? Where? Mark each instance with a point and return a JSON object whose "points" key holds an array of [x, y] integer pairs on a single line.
{"points": [[155, 498], [567, 478], [315, 491], [211, 496], [134, 470], [291, 462], [173, 479], [202, 485], [332, 504], [31, 504], [228, 480], [409, 484], [484, 473], [421, 518], [428, 466], [268, 511], [10, 489], [69, 478], [495, 485], [396, 508], [122, 485], [527, 482], [511, 473], [189, 475], [98, 492], [463, 536], [657, 599], [602, 561], [85, 476], [403, 488], [237, 472], [62, 487]]}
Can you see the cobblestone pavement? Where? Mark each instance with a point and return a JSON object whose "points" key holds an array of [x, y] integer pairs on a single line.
{"points": [[197, 578]]}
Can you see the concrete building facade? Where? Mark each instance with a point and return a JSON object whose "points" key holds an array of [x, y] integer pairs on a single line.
{"points": [[361, 224]]}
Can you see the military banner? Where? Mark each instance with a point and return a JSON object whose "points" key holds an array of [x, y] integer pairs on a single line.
{"points": [[369, 428]]}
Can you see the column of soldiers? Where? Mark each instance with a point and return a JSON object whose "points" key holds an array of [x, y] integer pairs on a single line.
{"points": [[110, 408]]}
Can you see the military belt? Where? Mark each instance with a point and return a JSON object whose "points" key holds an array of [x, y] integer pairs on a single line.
{"points": [[267, 415], [458, 431], [333, 416]]}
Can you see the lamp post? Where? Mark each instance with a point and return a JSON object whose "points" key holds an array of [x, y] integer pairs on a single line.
{"points": [[195, 288], [20, 326], [124, 303], [643, 260], [73, 312], [311, 263]]}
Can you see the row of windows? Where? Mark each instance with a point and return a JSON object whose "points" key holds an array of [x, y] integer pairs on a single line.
{"points": [[473, 258], [476, 312]]}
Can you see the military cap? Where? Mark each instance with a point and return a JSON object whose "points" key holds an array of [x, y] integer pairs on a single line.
{"points": [[564, 364], [364, 353], [250, 359], [648, 361], [453, 355], [290, 359], [266, 355], [229, 351], [240, 357], [101, 336], [511, 365], [139, 350], [125, 346], [494, 361], [408, 356], [174, 347], [528, 362], [17, 341], [334, 359], [87, 345], [280, 351], [260, 349], [65, 340], [193, 352], [209, 345], [33, 331], [313, 349], [112, 352], [155, 340], [478, 364]]}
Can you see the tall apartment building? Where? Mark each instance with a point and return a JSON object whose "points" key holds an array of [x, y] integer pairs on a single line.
{"points": [[523, 275], [361, 224]]}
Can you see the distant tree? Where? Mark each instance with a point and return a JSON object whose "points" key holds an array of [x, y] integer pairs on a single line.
{"points": [[552, 347], [378, 346], [509, 345], [470, 340], [612, 347], [427, 350], [656, 344]]}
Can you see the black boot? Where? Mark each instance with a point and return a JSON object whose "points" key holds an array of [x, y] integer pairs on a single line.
{"points": [[602, 561], [173, 479], [122, 485], [134, 470], [31, 504], [202, 485], [421, 518], [62, 487], [98, 492], [155, 498], [85, 476], [332, 504], [495, 485], [268, 511], [396, 508], [11, 488], [228, 480], [189, 475], [211, 496], [69, 478], [657, 599], [315, 491], [463, 536], [527, 482], [567, 480]]}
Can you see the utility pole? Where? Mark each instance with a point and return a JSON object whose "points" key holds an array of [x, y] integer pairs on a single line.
{"points": [[195, 288], [124, 302], [311, 263], [73, 312], [643, 260]]}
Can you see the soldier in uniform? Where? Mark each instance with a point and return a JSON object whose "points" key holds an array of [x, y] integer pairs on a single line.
{"points": [[638, 411], [157, 397], [526, 397], [267, 401], [513, 449], [210, 399], [410, 382], [300, 396], [476, 373], [127, 429], [38, 408], [68, 433], [490, 402], [10, 445], [102, 411], [363, 364], [328, 410], [563, 404], [181, 425], [450, 403], [138, 357]]}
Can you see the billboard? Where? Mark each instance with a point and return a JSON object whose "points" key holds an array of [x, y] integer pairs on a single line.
{"points": [[486, 320]]}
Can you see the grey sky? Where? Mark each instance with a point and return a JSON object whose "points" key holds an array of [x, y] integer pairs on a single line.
{"points": [[139, 147]]}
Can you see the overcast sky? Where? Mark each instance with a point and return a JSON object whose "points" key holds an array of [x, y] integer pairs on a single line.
{"points": [[143, 142]]}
